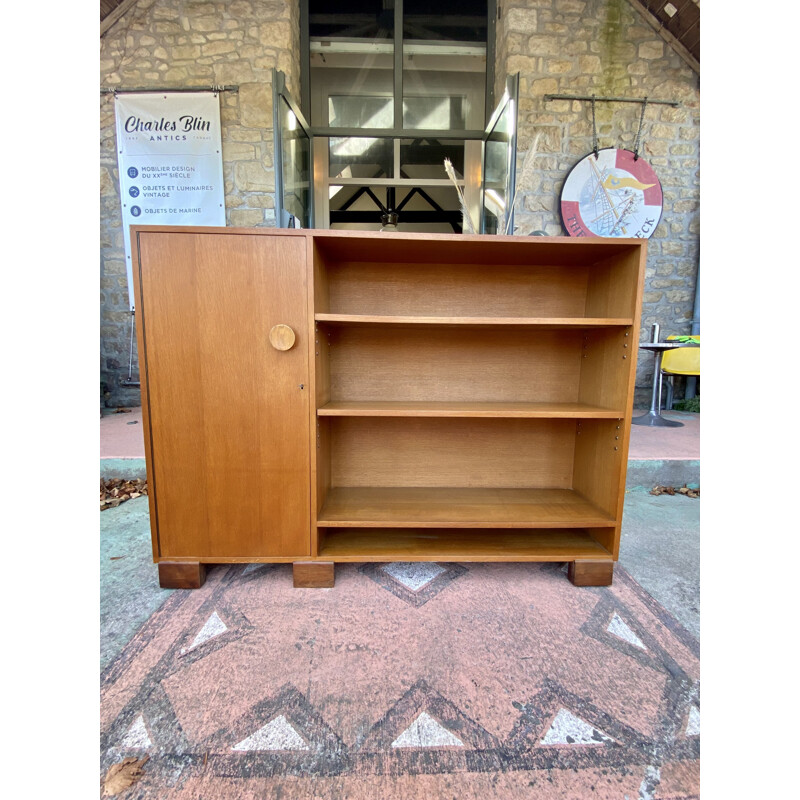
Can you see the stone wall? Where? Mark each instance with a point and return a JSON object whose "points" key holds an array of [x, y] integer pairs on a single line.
{"points": [[605, 47], [172, 44], [558, 46]]}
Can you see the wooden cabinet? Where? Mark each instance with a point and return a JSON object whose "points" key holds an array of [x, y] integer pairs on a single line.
{"points": [[226, 413], [446, 398]]}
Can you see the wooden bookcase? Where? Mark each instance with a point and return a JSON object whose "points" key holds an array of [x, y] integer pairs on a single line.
{"points": [[446, 398]]}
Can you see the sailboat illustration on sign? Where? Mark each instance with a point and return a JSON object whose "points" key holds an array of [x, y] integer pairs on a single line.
{"points": [[611, 194]]}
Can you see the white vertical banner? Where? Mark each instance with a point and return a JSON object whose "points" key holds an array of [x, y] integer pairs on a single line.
{"points": [[169, 147]]}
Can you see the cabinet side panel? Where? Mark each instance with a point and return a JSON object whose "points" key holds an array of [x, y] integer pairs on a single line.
{"points": [[598, 462], [320, 354], [605, 367], [612, 285], [142, 350], [601, 449], [229, 421]]}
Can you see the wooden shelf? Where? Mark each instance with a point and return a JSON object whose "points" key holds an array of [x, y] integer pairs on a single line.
{"points": [[485, 410], [361, 544], [412, 507], [510, 322]]}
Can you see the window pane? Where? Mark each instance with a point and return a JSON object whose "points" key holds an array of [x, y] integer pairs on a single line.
{"points": [[359, 112], [432, 209], [352, 63], [445, 20], [444, 65], [360, 157], [363, 19], [424, 158]]}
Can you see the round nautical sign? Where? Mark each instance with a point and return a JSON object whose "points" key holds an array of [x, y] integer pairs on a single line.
{"points": [[611, 195]]}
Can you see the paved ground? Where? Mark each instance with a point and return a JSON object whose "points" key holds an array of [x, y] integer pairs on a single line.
{"points": [[660, 549]]}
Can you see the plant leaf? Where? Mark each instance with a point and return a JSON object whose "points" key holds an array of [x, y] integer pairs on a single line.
{"points": [[122, 775]]}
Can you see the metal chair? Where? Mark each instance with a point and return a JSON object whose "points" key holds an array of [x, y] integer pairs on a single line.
{"points": [[681, 361]]}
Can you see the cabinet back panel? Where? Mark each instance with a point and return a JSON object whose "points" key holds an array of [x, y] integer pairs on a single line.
{"points": [[449, 364], [457, 290], [229, 424], [471, 453]]}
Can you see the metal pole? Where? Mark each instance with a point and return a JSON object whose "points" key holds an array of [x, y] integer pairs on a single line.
{"points": [[180, 89], [130, 381], [398, 64], [691, 380], [639, 100], [655, 400]]}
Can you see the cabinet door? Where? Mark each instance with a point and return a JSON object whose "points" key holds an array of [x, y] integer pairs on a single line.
{"points": [[228, 413]]}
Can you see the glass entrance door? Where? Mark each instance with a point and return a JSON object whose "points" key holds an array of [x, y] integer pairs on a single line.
{"points": [[294, 194], [498, 182]]}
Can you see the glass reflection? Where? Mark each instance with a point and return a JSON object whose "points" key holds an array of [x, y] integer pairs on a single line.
{"points": [[496, 165], [360, 157], [296, 163], [424, 158]]}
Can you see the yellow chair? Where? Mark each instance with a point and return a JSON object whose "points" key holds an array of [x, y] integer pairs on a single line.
{"points": [[680, 361]]}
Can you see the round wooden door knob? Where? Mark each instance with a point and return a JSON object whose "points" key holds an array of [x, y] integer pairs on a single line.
{"points": [[282, 337]]}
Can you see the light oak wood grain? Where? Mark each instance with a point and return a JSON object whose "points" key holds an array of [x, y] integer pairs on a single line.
{"points": [[492, 410], [228, 421], [479, 453], [451, 365], [457, 290], [545, 323], [459, 397], [393, 544], [457, 507]]}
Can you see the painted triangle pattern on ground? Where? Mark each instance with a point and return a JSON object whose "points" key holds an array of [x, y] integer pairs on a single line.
{"points": [[617, 627], [693, 726], [137, 737], [413, 575], [425, 731], [214, 627], [278, 734], [566, 728]]}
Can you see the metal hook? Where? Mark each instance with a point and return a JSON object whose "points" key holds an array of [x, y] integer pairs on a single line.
{"points": [[639, 132]]}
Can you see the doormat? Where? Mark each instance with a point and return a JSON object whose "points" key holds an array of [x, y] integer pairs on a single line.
{"points": [[413, 681]]}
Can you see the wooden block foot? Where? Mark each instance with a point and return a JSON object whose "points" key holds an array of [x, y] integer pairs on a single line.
{"points": [[313, 574], [591, 573], [181, 574]]}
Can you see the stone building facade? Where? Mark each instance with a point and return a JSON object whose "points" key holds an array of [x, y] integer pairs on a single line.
{"points": [[601, 47]]}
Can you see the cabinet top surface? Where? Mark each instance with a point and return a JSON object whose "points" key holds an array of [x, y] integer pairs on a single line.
{"points": [[420, 247], [395, 235]]}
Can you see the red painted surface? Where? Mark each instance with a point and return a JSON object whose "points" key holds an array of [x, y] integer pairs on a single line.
{"points": [[122, 435], [492, 653]]}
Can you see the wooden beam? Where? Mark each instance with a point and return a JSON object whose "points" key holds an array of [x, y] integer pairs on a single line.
{"points": [[656, 24], [119, 11]]}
